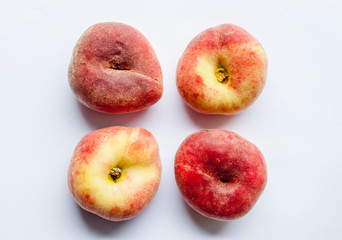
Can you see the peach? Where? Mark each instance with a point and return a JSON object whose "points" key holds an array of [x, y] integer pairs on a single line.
{"points": [[222, 71], [115, 172], [220, 174], [114, 69]]}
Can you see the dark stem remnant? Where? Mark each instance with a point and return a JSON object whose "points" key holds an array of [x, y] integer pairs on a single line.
{"points": [[115, 173], [221, 74], [223, 180], [119, 65]]}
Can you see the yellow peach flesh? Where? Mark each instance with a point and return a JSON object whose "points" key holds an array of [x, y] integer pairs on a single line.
{"points": [[224, 95]]}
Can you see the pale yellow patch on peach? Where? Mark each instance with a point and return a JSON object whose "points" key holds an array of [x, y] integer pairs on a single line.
{"points": [[258, 49], [223, 95], [95, 179]]}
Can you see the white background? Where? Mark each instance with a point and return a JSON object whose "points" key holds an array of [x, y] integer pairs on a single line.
{"points": [[296, 122]]}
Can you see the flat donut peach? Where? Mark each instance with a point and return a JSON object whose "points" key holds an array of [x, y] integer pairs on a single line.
{"points": [[114, 69], [220, 174], [115, 172], [222, 70]]}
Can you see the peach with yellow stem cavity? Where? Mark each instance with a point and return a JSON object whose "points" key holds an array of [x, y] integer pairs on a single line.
{"points": [[222, 70], [115, 172]]}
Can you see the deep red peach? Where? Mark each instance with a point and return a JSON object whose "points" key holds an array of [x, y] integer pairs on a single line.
{"points": [[114, 69], [220, 174]]}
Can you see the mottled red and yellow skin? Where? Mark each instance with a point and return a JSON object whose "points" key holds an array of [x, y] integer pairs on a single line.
{"points": [[133, 150], [232, 48], [220, 174], [114, 69]]}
